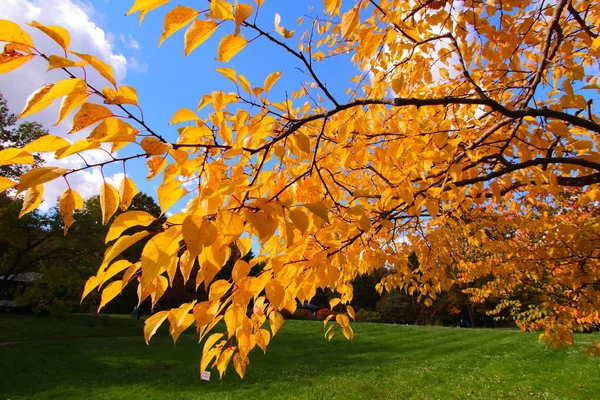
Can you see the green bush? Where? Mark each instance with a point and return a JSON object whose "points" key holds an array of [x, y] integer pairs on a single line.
{"points": [[367, 316]]}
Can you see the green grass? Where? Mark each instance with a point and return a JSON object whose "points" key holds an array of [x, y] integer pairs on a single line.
{"points": [[382, 362]]}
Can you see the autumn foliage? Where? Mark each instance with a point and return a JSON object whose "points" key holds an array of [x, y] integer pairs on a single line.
{"points": [[461, 137]]}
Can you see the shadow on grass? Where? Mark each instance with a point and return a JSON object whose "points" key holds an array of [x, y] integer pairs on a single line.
{"points": [[381, 361]]}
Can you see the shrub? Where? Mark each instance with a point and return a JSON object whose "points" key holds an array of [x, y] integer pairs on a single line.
{"points": [[323, 313], [303, 313], [367, 316]]}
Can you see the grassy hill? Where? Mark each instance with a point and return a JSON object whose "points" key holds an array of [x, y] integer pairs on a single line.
{"points": [[99, 357]]}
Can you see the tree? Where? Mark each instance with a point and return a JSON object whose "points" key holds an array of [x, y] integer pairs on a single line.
{"points": [[11, 136], [455, 108]]}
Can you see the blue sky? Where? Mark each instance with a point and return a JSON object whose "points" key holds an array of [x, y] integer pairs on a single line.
{"points": [[165, 79]]}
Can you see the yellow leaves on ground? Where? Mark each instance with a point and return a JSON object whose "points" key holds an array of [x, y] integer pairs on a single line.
{"points": [[89, 114], [198, 232], [56, 33], [69, 201], [198, 33], [127, 220], [109, 201], [12, 33], [176, 19], [127, 190], [46, 95], [61, 62], [103, 68], [123, 95], [152, 146], [229, 46], [32, 199], [350, 21], [39, 176], [15, 156], [6, 183]]}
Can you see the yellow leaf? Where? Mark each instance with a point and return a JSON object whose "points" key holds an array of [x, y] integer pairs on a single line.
{"points": [[351, 312], [319, 209], [224, 358], [300, 220], [229, 46], [198, 232], [144, 6], [71, 102], [350, 21], [158, 252], [348, 332], [263, 223], [15, 156], [342, 320], [92, 283], [275, 293], [113, 130], [240, 363], [103, 68], [114, 269], [280, 29], [133, 268], [6, 183], [230, 225], [433, 207], [303, 142], [89, 114], [240, 270], [169, 193], [229, 73], [12, 33], [127, 191], [234, 316], [242, 13], [12, 61], [109, 293], [275, 321], [77, 147], [61, 62], [183, 115], [153, 146], [56, 33], [218, 289], [270, 80], [176, 19], [33, 198], [109, 201], [220, 9], [122, 244], [262, 339], [152, 324], [123, 95], [127, 220], [37, 176], [16, 47], [198, 33], [46, 143], [177, 330], [69, 201], [46, 95]]}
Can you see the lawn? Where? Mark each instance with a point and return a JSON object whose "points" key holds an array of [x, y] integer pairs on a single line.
{"points": [[99, 357]]}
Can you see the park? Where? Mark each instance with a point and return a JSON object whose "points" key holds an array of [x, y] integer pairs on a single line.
{"points": [[307, 199]]}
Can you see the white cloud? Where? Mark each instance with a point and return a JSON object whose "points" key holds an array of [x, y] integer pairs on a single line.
{"points": [[86, 36]]}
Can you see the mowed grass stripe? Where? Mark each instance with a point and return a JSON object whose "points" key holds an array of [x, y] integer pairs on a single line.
{"points": [[382, 362]]}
